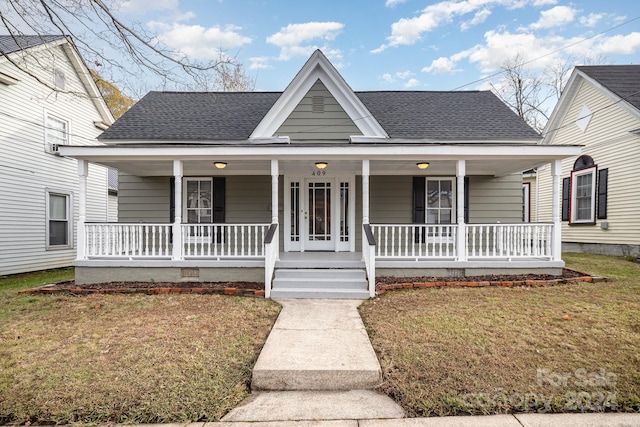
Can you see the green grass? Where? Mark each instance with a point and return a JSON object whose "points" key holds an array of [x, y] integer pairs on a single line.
{"points": [[37, 278], [125, 358], [496, 350]]}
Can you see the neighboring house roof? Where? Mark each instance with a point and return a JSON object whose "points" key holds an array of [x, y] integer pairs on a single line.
{"points": [[210, 116], [623, 80], [620, 83], [10, 44]]}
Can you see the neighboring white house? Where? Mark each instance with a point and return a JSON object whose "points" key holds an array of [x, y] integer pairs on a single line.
{"points": [[600, 109], [39, 189], [318, 189]]}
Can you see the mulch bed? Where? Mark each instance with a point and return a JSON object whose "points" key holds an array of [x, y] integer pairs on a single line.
{"points": [[383, 284]]}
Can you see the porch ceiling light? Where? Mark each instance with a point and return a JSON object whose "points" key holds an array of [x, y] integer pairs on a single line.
{"points": [[321, 165], [422, 165], [220, 165]]}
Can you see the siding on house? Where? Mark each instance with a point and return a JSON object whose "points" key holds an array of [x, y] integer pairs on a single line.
{"points": [[608, 141], [26, 170], [332, 124], [495, 199]]}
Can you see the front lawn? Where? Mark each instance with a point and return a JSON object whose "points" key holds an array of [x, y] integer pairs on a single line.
{"points": [[126, 358], [496, 350]]}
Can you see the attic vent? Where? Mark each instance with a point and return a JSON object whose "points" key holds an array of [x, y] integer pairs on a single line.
{"points": [[584, 117], [317, 104]]}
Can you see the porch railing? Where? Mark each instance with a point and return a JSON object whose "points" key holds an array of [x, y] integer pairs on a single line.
{"points": [[272, 250], [369, 256], [415, 240], [529, 240], [127, 240], [483, 241], [224, 240]]}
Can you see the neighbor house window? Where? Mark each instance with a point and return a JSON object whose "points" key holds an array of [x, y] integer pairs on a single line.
{"points": [[583, 195], [59, 228], [56, 133]]}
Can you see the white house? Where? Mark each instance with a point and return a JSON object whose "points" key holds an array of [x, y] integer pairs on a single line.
{"points": [[318, 189], [600, 211], [47, 100]]}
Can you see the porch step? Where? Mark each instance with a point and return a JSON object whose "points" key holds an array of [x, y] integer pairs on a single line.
{"points": [[320, 283]]}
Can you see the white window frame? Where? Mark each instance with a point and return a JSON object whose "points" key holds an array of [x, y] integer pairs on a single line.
{"points": [[69, 219], [50, 145], [185, 201], [453, 198], [573, 203]]}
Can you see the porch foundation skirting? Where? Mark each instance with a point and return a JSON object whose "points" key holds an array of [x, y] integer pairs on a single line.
{"points": [[99, 271]]}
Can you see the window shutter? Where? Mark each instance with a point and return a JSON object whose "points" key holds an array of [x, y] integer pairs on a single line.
{"points": [[419, 200], [603, 177], [172, 199], [466, 200], [566, 191], [218, 200]]}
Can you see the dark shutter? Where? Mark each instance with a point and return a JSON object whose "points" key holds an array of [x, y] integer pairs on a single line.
{"points": [[218, 200], [172, 204], [419, 200], [603, 176], [219, 197], [172, 199], [466, 200], [566, 191]]}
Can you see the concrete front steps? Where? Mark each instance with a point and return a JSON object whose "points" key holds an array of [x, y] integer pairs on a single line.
{"points": [[323, 283]]}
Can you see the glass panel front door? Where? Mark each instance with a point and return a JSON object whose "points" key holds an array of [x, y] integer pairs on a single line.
{"points": [[318, 216]]}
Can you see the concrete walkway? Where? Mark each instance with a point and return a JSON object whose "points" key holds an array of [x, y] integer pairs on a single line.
{"points": [[317, 364]]}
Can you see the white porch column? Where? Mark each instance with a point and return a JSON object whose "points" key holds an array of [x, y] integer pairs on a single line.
{"points": [[178, 171], [556, 172], [365, 192], [461, 241], [274, 191], [83, 172]]}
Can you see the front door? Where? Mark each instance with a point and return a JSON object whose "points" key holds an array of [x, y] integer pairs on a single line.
{"points": [[319, 214]]}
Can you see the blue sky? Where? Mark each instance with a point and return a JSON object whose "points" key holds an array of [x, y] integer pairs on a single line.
{"points": [[395, 44]]}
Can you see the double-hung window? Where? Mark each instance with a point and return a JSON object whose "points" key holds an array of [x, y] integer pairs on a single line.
{"points": [[440, 201], [583, 195], [59, 220], [56, 133]]}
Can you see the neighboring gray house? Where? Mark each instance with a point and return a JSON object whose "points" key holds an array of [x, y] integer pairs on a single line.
{"points": [[55, 103], [318, 189], [600, 109]]}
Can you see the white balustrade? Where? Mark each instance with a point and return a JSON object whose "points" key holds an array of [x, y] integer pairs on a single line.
{"points": [[127, 240], [223, 240], [417, 241], [526, 240]]}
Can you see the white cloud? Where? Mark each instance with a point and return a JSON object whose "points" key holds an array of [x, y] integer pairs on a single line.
{"points": [[411, 83], [392, 3], [554, 17], [259, 63], [137, 6], [618, 45], [478, 18], [408, 31], [294, 38], [388, 78], [196, 41], [441, 65], [404, 74], [538, 3], [592, 19]]}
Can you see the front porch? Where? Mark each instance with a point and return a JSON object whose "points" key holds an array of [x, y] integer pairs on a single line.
{"points": [[253, 218]]}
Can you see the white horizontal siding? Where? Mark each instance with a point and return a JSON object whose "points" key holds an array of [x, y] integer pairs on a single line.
{"points": [[608, 141], [26, 170]]}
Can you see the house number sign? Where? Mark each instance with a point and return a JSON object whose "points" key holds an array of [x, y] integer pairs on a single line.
{"points": [[318, 173]]}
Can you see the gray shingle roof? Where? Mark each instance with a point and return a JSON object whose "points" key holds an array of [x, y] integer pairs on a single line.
{"points": [[10, 44], [210, 116], [623, 80]]}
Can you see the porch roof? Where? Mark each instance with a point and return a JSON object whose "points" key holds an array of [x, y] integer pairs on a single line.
{"points": [[497, 159]]}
